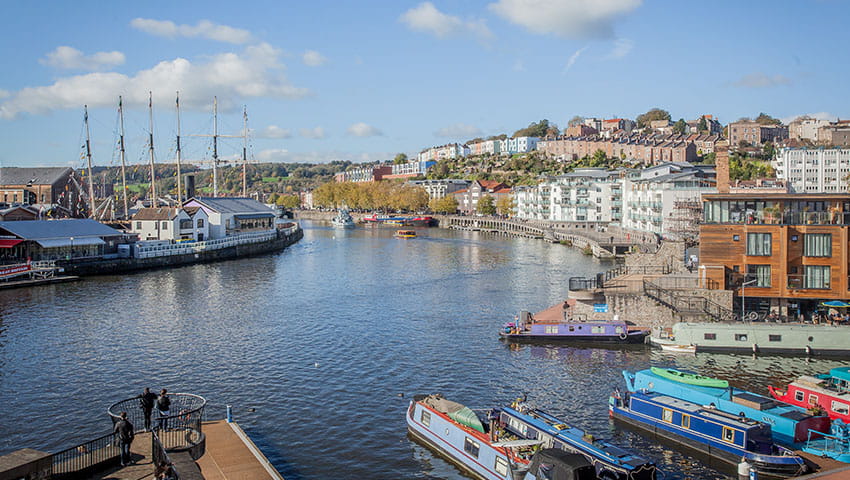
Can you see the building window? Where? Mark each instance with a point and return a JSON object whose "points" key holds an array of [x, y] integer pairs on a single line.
{"points": [[799, 396], [138, 225], [774, 338], [740, 337], [758, 244], [709, 336], [759, 273], [165, 225], [501, 466], [817, 244], [816, 276], [471, 447], [425, 418], [735, 238]]}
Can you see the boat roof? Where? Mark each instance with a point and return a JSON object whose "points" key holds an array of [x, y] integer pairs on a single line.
{"points": [[699, 410], [841, 372]]}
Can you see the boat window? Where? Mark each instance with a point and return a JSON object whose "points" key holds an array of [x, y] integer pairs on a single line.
{"points": [[710, 336], [728, 435], [425, 418], [667, 415], [618, 330], [597, 329], [572, 328], [551, 329], [839, 407], [501, 466], [471, 447], [799, 396], [686, 421], [741, 337], [774, 338], [813, 399]]}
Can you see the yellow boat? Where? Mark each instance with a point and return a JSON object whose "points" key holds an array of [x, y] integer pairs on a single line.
{"points": [[405, 233]]}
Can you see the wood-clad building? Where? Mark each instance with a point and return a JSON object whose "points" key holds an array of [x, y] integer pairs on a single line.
{"points": [[785, 252]]}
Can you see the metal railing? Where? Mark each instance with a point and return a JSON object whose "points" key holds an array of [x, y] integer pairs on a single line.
{"points": [[181, 429], [582, 283], [637, 270], [160, 456], [71, 462], [688, 304], [814, 283]]}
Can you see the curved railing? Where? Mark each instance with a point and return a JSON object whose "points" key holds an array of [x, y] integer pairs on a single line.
{"points": [[180, 430]]}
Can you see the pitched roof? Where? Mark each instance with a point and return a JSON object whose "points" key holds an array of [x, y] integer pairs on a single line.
{"points": [[489, 184], [158, 213], [232, 204], [37, 175], [44, 229]]}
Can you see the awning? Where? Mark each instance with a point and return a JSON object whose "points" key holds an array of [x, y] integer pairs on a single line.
{"points": [[254, 215], [835, 304], [9, 242], [67, 242]]}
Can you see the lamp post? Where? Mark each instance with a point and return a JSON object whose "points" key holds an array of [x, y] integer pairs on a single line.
{"points": [[743, 298]]}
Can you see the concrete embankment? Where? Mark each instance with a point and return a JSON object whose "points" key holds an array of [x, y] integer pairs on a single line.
{"points": [[120, 265]]}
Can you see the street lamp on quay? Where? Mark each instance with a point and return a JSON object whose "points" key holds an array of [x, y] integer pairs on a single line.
{"points": [[72, 248], [743, 298]]}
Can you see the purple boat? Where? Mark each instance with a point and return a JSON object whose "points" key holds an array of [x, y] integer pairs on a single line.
{"points": [[526, 327]]}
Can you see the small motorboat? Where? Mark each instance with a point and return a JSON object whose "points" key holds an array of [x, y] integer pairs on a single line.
{"points": [[679, 348], [405, 233]]}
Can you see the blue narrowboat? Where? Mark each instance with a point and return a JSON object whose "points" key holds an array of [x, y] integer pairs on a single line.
{"points": [[790, 424], [720, 436], [458, 434], [611, 462], [611, 331]]}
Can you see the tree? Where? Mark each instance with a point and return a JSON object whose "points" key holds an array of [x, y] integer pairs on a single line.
{"points": [[289, 201], [576, 120], [680, 126], [538, 129], [644, 119], [765, 119], [702, 126], [399, 159], [768, 150], [446, 205], [600, 158], [505, 205], [486, 206]]}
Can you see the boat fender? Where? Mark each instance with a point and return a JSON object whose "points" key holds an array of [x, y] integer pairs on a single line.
{"points": [[623, 336], [743, 468], [742, 415], [808, 350], [755, 348]]}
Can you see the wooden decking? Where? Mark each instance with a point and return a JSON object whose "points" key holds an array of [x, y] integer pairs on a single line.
{"points": [[142, 468], [231, 455]]}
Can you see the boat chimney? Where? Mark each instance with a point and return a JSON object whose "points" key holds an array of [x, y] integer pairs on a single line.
{"points": [[190, 186]]}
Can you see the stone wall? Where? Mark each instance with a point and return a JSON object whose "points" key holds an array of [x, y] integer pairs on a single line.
{"points": [[670, 253]]}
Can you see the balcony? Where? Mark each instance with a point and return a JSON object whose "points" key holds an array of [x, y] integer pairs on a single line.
{"points": [[800, 282]]}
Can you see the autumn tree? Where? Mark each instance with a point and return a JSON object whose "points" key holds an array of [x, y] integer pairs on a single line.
{"points": [[680, 126], [505, 205], [486, 205], [539, 129], [765, 119], [576, 120], [400, 159], [644, 119], [446, 205]]}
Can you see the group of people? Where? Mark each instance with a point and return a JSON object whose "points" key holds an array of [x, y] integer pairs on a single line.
{"points": [[125, 430]]}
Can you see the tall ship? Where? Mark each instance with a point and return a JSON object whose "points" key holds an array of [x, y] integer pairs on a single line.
{"points": [[343, 219], [831, 392], [458, 434], [723, 438], [756, 337], [789, 424]]}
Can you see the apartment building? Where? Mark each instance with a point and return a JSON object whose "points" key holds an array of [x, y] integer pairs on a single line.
{"points": [[813, 170], [485, 147], [806, 128], [452, 150], [364, 174], [755, 133], [520, 144], [648, 149], [586, 195], [467, 198], [440, 188]]}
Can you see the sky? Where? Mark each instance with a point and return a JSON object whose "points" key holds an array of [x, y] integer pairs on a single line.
{"points": [[362, 81]]}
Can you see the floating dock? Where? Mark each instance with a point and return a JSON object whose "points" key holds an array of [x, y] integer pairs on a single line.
{"points": [[231, 455]]}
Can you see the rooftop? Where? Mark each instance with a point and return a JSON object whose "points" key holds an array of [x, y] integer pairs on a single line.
{"points": [[37, 175], [45, 229]]}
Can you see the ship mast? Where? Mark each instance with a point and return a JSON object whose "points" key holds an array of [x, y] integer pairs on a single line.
{"points": [[88, 159], [215, 146], [150, 141], [245, 152], [179, 174], [123, 164]]}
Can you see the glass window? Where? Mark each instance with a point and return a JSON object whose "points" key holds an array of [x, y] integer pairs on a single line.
{"points": [[813, 399], [817, 244], [759, 273], [816, 276], [138, 225], [774, 338], [667, 415], [501, 466], [758, 244], [471, 447], [839, 407], [165, 225], [799, 396], [728, 435], [741, 337], [686, 421], [551, 329], [425, 418], [710, 336]]}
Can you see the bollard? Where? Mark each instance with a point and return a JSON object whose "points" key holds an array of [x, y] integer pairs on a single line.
{"points": [[229, 414]]}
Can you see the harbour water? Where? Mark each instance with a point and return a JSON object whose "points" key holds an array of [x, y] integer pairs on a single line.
{"points": [[313, 347]]}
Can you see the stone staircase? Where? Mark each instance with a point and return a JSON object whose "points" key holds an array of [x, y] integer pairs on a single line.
{"points": [[688, 306]]}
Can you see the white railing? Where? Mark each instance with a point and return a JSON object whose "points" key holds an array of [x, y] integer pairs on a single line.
{"points": [[197, 247]]}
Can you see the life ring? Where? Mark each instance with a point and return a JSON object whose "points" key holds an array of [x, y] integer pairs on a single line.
{"points": [[623, 336]]}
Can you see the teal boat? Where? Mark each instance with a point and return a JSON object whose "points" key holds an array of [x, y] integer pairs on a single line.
{"points": [[689, 378]]}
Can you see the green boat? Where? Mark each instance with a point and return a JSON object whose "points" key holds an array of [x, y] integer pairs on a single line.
{"points": [[689, 378]]}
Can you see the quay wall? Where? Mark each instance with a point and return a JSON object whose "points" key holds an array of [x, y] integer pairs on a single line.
{"points": [[119, 265]]}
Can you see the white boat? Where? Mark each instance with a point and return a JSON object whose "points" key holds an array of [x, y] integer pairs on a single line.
{"points": [[343, 219], [678, 348]]}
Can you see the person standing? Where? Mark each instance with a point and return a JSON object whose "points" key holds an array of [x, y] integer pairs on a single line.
{"points": [[125, 432], [146, 402], [163, 404]]}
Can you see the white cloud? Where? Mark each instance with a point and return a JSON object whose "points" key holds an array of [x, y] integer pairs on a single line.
{"points": [[273, 131], [622, 47], [70, 58], [313, 58], [285, 156], [572, 60], [518, 66], [361, 129], [4, 93], [255, 72], [203, 29], [458, 130], [761, 80], [568, 18], [426, 18], [316, 133], [819, 116]]}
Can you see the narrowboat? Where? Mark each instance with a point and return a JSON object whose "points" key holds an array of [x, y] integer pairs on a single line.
{"points": [[602, 331], [764, 337], [790, 424], [611, 462], [405, 234], [458, 434], [830, 391], [835, 445], [720, 436]]}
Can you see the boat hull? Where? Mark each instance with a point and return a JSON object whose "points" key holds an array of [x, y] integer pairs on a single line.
{"points": [[632, 338], [805, 339]]}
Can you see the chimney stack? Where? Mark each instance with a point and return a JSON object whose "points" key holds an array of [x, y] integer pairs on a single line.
{"points": [[721, 165]]}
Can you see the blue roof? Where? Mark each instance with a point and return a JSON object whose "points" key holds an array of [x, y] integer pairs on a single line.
{"points": [[232, 204], [72, 227]]}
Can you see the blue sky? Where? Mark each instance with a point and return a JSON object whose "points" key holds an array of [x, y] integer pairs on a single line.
{"points": [[326, 80]]}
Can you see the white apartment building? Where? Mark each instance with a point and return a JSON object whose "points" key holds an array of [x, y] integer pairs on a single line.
{"points": [[586, 195], [806, 128], [533, 202], [440, 188], [171, 223], [452, 150], [520, 144], [813, 170]]}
